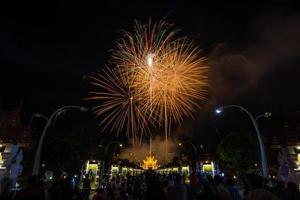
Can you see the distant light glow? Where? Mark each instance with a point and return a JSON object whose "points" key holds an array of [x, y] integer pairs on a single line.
{"points": [[218, 111]]}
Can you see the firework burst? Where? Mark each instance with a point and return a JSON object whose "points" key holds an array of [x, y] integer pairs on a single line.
{"points": [[175, 83], [157, 78], [117, 103]]}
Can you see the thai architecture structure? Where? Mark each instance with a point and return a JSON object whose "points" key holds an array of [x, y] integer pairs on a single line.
{"points": [[150, 163], [13, 136]]}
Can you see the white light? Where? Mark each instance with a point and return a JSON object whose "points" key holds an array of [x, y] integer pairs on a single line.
{"points": [[298, 147], [268, 114], [1, 145], [218, 111], [150, 59]]}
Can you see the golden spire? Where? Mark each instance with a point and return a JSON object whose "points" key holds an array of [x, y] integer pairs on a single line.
{"points": [[150, 162]]}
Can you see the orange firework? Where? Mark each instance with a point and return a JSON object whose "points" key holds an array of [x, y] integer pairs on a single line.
{"points": [[136, 50], [175, 82], [117, 103], [157, 78]]}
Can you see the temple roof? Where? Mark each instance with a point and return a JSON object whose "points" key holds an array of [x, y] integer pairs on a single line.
{"points": [[150, 163]]}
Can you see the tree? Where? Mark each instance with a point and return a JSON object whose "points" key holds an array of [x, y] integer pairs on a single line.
{"points": [[240, 150]]}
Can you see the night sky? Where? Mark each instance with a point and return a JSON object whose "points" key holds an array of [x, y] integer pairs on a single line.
{"points": [[49, 48]]}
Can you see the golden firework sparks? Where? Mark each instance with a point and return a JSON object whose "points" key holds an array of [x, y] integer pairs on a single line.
{"points": [[157, 78], [117, 103], [175, 83]]}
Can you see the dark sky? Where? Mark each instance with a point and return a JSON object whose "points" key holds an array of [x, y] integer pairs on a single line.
{"points": [[47, 48]]}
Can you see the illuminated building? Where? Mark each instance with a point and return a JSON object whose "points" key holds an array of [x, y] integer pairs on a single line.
{"points": [[208, 168], [92, 172], [11, 131], [285, 140], [150, 163]]}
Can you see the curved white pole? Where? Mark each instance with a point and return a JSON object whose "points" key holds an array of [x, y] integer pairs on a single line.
{"points": [[37, 157], [261, 145]]}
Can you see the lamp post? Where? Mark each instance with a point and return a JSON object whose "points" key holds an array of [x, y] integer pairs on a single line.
{"points": [[105, 151], [54, 115], [254, 122]]}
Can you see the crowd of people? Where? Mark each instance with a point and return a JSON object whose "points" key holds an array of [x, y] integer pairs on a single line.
{"points": [[153, 186]]}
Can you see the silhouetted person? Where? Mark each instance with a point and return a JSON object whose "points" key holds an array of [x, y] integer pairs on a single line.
{"points": [[293, 190], [178, 191], [86, 188], [221, 192], [6, 186], [33, 191], [280, 191], [257, 191], [234, 193], [100, 194]]}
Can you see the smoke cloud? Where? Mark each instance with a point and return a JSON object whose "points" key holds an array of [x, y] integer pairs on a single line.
{"points": [[275, 40], [139, 152]]}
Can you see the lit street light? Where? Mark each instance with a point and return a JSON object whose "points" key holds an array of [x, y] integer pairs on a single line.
{"points": [[52, 117], [254, 122], [218, 111]]}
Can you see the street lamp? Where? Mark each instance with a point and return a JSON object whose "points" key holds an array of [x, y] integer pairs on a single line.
{"points": [[218, 111], [52, 117], [254, 122]]}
